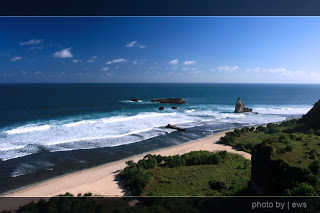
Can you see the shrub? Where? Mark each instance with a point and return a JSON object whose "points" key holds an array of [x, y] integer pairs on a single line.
{"points": [[289, 147], [293, 137], [252, 129], [272, 128], [237, 132], [282, 138], [289, 122], [302, 189], [318, 132], [311, 132], [217, 185], [223, 154], [315, 167], [240, 147], [148, 162], [175, 161], [215, 158], [135, 177], [249, 146], [245, 129], [261, 129]]}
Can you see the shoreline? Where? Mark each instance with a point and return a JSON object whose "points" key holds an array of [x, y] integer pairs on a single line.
{"points": [[102, 180]]}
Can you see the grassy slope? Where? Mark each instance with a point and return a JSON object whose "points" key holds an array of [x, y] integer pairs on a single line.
{"points": [[303, 143], [194, 180]]}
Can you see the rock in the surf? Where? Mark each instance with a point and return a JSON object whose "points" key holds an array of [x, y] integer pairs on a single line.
{"points": [[174, 107], [175, 127], [240, 107], [161, 108], [134, 99], [169, 100]]}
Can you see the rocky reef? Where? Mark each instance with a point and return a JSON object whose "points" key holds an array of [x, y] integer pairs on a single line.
{"points": [[169, 100], [175, 127], [134, 99], [240, 107]]}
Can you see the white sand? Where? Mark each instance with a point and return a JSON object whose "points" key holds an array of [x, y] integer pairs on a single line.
{"points": [[102, 180]]}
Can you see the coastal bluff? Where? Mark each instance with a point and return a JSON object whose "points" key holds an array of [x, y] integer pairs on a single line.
{"points": [[240, 107], [169, 100]]}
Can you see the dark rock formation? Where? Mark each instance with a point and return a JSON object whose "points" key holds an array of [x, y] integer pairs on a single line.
{"points": [[312, 118], [240, 107], [175, 127], [169, 100], [134, 99], [161, 108], [174, 107]]}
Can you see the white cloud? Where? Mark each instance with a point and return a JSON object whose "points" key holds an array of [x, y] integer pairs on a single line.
{"points": [[227, 69], [37, 73], [189, 62], [61, 73], [173, 62], [135, 62], [119, 60], [93, 59], [76, 60], [185, 68], [135, 44], [104, 69], [32, 42], [281, 70], [131, 44], [16, 58], [64, 53]]}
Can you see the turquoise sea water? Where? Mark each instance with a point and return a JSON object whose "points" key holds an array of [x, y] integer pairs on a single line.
{"points": [[39, 122]]}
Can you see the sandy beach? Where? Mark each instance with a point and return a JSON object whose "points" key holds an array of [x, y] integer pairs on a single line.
{"points": [[102, 180]]}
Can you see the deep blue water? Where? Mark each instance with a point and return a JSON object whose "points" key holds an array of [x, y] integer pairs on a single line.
{"points": [[52, 129]]}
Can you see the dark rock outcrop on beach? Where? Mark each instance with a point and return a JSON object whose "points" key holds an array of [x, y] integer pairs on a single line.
{"points": [[134, 99], [240, 107], [169, 100], [175, 127], [161, 108], [312, 118], [174, 107]]}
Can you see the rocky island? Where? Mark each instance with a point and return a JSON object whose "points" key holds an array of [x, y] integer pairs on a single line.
{"points": [[169, 100], [240, 107]]}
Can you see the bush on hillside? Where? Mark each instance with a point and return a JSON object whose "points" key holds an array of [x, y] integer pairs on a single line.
{"points": [[272, 128], [315, 167], [261, 129]]}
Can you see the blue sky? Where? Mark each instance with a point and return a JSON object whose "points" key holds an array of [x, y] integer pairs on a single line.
{"points": [[160, 49]]}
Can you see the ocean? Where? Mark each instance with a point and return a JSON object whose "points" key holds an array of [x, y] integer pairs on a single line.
{"points": [[47, 130]]}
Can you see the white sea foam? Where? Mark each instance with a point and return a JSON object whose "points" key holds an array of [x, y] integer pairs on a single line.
{"points": [[107, 131], [27, 128], [282, 110], [27, 168]]}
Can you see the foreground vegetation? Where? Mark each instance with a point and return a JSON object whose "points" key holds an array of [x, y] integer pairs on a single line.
{"points": [[198, 173], [285, 157]]}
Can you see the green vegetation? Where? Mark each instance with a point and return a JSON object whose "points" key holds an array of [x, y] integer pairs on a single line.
{"points": [[191, 174], [285, 157]]}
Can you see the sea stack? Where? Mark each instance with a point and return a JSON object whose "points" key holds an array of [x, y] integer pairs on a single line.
{"points": [[240, 107]]}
